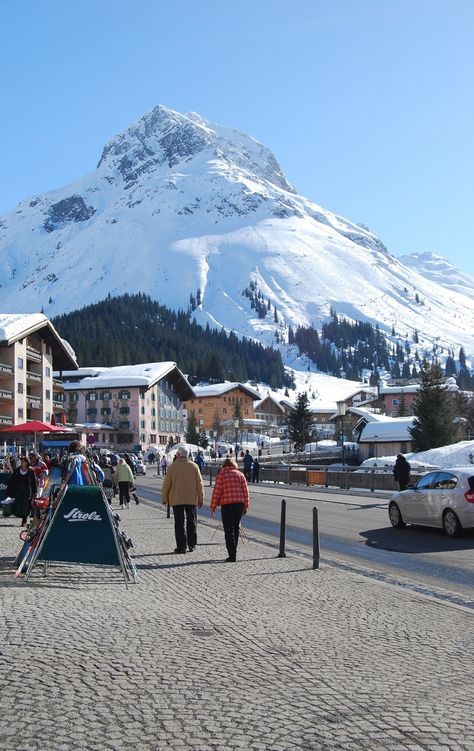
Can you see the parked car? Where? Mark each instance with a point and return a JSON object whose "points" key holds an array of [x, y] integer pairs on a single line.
{"points": [[140, 467], [443, 498]]}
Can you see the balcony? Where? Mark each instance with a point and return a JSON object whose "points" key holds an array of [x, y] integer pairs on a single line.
{"points": [[6, 420], [33, 354], [7, 369], [32, 376], [34, 402], [6, 394]]}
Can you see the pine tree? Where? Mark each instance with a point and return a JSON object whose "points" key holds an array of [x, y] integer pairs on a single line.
{"points": [[192, 430], [402, 407], [299, 422], [434, 411]]}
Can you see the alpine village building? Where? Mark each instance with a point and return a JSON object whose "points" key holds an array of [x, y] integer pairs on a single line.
{"points": [[128, 407], [30, 351]]}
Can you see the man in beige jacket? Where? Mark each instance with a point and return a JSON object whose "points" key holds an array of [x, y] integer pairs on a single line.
{"points": [[182, 489]]}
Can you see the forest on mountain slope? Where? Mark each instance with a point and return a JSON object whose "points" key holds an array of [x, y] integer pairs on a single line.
{"points": [[133, 329]]}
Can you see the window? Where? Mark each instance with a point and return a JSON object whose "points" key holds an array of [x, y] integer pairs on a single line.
{"points": [[425, 482], [20, 363], [124, 425], [153, 412], [105, 411], [106, 395], [20, 388], [92, 411], [125, 438], [142, 424], [47, 372], [124, 410], [124, 395], [47, 394], [152, 437], [142, 438], [142, 410], [445, 481], [91, 397], [153, 397], [20, 413], [153, 424], [73, 397], [48, 416]]}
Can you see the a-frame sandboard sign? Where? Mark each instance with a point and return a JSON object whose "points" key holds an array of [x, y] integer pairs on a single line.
{"points": [[84, 530]]}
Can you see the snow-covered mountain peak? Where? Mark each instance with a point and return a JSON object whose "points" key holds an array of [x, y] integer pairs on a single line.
{"points": [[179, 206], [439, 270], [165, 138]]}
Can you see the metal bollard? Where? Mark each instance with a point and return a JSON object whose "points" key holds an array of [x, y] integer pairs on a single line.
{"points": [[315, 538], [282, 553]]}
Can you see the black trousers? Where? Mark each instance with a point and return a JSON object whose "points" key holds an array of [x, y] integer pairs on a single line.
{"points": [[185, 525], [231, 515], [124, 492]]}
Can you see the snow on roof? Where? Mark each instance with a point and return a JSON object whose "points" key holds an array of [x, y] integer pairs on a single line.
{"points": [[122, 375], [411, 388], [388, 429], [217, 389], [14, 324]]}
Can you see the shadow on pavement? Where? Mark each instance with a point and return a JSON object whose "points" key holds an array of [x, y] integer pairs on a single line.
{"points": [[413, 539]]}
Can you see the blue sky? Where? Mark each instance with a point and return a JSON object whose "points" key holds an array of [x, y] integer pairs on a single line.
{"points": [[368, 105]]}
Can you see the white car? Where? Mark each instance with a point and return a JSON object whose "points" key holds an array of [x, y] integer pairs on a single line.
{"points": [[443, 498], [140, 467]]}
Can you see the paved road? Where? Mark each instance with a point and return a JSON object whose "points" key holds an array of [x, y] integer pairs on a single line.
{"points": [[355, 527], [199, 655]]}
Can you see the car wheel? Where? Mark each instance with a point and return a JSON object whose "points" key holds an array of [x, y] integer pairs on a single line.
{"points": [[451, 523], [395, 516]]}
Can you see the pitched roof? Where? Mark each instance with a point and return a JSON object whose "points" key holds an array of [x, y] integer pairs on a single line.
{"points": [[145, 374], [388, 429], [15, 326], [218, 389]]}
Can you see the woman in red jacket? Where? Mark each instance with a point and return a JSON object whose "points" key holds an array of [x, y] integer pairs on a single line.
{"points": [[231, 493]]}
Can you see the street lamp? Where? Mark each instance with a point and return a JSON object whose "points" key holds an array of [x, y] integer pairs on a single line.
{"points": [[341, 411], [375, 447], [236, 426]]}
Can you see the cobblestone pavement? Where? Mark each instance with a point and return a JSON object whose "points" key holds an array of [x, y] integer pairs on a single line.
{"points": [[200, 655]]}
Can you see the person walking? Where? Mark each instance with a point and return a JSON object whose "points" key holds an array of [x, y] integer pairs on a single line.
{"points": [[22, 487], [182, 489], [255, 471], [231, 493], [125, 482], [199, 460], [40, 469], [164, 464], [248, 461], [77, 469], [401, 471]]}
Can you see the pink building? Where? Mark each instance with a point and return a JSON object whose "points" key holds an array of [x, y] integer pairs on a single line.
{"points": [[128, 408]]}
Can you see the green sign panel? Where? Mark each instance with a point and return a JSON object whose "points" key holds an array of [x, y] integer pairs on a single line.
{"points": [[81, 530]]}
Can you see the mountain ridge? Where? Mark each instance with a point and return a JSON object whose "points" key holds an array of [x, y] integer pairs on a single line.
{"points": [[178, 204]]}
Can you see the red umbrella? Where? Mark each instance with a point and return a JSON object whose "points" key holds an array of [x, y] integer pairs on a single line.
{"points": [[33, 426]]}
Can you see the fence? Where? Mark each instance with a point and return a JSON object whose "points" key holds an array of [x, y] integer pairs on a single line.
{"points": [[324, 477]]}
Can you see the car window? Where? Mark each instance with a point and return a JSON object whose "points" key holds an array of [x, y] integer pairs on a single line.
{"points": [[445, 481], [426, 481]]}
